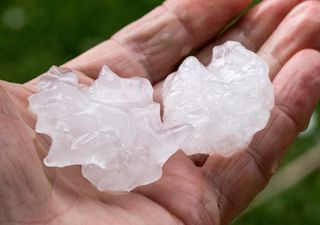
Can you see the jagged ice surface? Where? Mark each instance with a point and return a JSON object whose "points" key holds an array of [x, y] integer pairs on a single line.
{"points": [[114, 130], [226, 102]]}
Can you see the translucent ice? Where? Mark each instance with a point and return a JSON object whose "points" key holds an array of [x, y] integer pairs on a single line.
{"points": [[226, 102], [114, 130]]}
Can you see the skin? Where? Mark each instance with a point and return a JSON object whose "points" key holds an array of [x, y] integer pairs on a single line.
{"points": [[194, 190]]}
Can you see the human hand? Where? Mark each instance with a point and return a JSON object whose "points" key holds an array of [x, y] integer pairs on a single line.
{"points": [[193, 190]]}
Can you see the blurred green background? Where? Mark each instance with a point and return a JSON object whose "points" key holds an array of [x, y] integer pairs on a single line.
{"points": [[35, 34]]}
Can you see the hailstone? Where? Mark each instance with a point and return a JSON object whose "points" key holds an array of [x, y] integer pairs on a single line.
{"points": [[226, 102], [114, 129]]}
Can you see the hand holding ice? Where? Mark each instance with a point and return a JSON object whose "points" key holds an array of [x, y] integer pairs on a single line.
{"points": [[114, 130]]}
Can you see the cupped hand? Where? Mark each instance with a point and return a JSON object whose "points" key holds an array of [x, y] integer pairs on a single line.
{"points": [[193, 190]]}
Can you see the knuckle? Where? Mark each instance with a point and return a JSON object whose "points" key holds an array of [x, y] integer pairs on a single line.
{"points": [[308, 57], [308, 11], [309, 77], [303, 92], [308, 52], [313, 57]]}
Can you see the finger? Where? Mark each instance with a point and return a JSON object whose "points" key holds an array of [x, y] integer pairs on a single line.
{"points": [[22, 183], [254, 28], [299, 30], [153, 45], [242, 176], [183, 191], [297, 91], [262, 20]]}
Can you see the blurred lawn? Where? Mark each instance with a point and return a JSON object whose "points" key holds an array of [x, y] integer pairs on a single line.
{"points": [[35, 34]]}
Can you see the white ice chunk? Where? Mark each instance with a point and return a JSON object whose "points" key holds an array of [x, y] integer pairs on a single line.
{"points": [[226, 102], [114, 130]]}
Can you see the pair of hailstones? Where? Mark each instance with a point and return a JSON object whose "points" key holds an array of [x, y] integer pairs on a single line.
{"points": [[114, 129]]}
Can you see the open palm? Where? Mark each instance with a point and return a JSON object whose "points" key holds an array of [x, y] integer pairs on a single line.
{"points": [[194, 190]]}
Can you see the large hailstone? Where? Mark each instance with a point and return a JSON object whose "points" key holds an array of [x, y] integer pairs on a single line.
{"points": [[112, 128], [226, 102]]}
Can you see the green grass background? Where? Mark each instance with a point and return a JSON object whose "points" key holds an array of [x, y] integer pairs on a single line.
{"points": [[35, 34]]}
